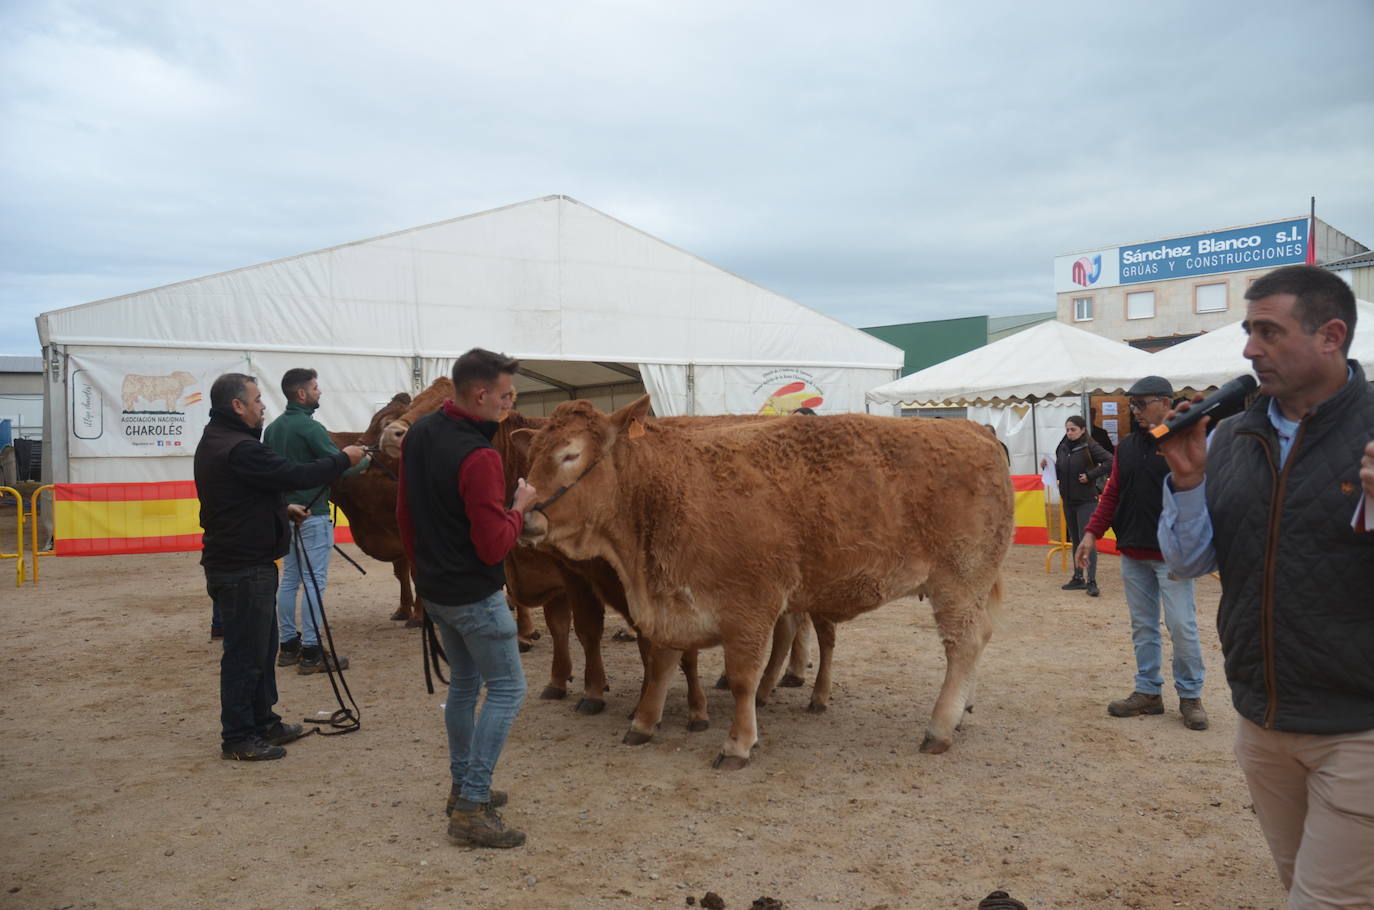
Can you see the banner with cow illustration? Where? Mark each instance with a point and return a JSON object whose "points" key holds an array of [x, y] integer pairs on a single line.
{"points": [[130, 404], [782, 390]]}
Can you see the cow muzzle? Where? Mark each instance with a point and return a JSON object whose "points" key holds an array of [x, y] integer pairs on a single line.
{"points": [[392, 434], [535, 530]]}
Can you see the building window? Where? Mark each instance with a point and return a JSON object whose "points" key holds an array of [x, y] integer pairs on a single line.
{"points": [[1082, 309], [1140, 305], [1210, 298]]}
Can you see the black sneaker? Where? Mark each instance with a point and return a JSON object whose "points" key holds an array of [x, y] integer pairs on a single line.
{"points": [[279, 734], [320, 663], [1075, 584], [290, 653], [1092, 589], [254, 749]]}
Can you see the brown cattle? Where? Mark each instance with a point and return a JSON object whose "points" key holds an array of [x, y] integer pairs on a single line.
{"points": [[714, 536], [368, 498], [571, 593]]}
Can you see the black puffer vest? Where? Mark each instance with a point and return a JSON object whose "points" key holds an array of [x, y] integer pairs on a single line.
{"points": [[1296, 619], [447, 568], [1140, 470]]}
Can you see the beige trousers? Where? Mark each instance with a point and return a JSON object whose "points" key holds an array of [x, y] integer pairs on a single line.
{"points": [[1314, 796]]}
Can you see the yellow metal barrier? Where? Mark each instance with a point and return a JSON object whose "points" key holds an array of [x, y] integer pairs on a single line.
{"points": [[33, 522], [1058, 546], [18, 556]]}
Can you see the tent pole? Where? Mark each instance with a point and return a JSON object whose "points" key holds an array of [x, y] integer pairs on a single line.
{"points": [[1035, 438]]}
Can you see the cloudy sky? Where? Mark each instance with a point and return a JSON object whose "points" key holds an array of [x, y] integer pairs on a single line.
{"points": [[879, 161]]}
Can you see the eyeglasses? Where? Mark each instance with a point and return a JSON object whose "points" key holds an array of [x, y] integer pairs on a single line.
{"points": [[1138, 405]]}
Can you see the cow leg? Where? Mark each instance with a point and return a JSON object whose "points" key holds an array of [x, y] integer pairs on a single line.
{"points": [[589, 621], [698, 717], [825, 643], [646, 650], [784, 630], [744, 661], [524, 624], [558, 617], [655, 692], [401, 569], [796, 661], [965, 627], [417, 618]]}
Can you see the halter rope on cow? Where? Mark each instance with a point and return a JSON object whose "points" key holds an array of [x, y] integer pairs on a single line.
{"points": [[558, 494]]}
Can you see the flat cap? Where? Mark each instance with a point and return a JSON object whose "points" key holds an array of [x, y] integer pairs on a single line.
{"points": [[1151, 385]]}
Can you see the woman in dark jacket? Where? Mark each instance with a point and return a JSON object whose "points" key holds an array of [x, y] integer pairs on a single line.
{"points": [[1078, 462]]}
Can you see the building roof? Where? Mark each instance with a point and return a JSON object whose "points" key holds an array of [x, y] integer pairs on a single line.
{"points": [[10, 363], [1365, 258]]}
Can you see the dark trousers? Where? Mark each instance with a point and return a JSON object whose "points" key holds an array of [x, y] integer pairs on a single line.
{"points": [[247, 602], [1076, 517]]}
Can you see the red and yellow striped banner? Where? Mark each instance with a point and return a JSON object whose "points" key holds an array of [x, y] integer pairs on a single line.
{"points": [[1032, 514], [104, 519]]}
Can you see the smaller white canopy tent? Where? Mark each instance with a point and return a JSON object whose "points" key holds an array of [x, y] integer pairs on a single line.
{"points": [[1214, 358], [1050, 360]]}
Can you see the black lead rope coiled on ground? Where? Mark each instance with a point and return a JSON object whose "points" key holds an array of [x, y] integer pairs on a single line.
{"points": [[346, 719]]}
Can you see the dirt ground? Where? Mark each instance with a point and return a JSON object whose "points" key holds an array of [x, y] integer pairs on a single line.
{"points": [[114, 794]]}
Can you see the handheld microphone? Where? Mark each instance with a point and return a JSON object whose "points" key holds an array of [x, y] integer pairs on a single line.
{"points": [[1228, 396]]}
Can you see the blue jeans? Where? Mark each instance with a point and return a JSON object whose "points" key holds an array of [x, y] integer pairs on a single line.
{"points": [[245, 599], [1147, 583], [479, 641], [317, 539]]}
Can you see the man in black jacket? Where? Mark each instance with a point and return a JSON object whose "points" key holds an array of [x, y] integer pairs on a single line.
{"points": [[1269, 503], [243, 513]]}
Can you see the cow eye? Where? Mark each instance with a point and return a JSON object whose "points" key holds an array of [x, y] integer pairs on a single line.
{"points": [[571, 456]]}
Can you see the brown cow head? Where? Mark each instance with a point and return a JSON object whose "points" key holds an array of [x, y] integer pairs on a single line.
{"points": [[576, 453], [431, 399]]}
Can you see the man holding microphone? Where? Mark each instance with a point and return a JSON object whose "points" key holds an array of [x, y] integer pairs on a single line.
{"points": [[1268, 501]]}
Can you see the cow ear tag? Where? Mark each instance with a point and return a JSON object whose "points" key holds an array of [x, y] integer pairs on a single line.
{"points": [[636, 429]]}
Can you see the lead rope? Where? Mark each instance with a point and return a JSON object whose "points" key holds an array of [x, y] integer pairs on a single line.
{"points": [[432, 651], [344, 720]]}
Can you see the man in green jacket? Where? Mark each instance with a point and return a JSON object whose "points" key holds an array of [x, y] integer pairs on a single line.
{"points": [[297, 436]]}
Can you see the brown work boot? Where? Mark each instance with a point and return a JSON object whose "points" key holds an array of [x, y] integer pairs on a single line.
{"points": [[1194, 716], [498, 798], [481, 826], [1135, 704]]}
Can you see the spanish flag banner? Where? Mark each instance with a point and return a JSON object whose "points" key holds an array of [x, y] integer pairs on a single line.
{"points": [[1036, 519], [106, 519]]}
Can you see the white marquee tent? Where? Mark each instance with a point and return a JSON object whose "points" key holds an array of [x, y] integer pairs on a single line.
{"points": [[1214, 358], [1005, 384], [592, 306]]}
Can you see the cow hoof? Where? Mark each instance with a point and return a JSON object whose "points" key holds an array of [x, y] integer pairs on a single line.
{"points": [[524, 646], [722, 683], [536, 635], [697, 726], [552, 693], [932, 746], [413, 623], [760, 703], [635, 738], [791, 681], [590, 706], [400, 614], [725, 762], [815, 708]]}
